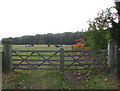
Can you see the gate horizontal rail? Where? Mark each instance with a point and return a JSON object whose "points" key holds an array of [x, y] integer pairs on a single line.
{"points": [[59, 50], [51, 69], [50, 60], [55, 55], [37, 69], [58, 64], [35, 50]]}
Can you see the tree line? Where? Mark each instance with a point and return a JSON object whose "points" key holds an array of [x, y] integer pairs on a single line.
{"points": [[66, 38]]}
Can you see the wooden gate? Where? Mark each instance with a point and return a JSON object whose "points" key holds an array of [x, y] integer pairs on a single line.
{"points": [[34, 59], [59, 59]]}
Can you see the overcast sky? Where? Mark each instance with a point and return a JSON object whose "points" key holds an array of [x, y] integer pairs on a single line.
{"points": [[31, 17]]}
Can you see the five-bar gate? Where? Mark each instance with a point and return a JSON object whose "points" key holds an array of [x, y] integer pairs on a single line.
{"points": [[59, 59]]}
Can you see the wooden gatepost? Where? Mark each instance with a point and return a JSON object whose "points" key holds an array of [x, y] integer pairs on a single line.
{"points": [[7, 56], [118, 58], [113, 58]]}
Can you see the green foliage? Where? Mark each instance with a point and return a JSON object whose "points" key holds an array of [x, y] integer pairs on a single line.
{"points": [[98, 34], [115, 32], [88, 43]]}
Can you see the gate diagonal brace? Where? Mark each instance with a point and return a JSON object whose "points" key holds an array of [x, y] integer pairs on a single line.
{"points": [[46, 60], [24, 60], [75, 60], [42, 62], [89, 64]]}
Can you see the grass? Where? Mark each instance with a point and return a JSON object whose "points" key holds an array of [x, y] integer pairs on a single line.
{"points": [[45, 79], [55, 80], [94, 82], [33, 79], [40, 47]]}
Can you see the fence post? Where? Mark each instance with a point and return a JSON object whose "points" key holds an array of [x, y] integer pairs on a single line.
{"points": [[62, 60], [112, 57], [112, 52], [7, 56], [118, 58]]}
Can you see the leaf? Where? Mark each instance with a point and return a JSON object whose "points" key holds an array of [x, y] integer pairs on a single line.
{"points": [[106, 80]]}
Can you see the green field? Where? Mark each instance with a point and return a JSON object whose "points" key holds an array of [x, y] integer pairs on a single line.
{"points": [[40, 47], [45, 79]]}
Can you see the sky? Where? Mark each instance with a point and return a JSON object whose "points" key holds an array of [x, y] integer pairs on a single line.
{"points": [[31, 17]]}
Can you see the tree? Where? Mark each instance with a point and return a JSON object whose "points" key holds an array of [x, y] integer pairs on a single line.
{"points": [[98, 35], [115, 30]]}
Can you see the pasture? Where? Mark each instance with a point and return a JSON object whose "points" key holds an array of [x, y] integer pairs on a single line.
{"points": [[47, 79], [40, 47]]}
